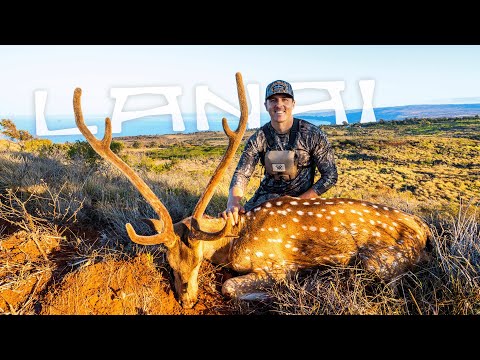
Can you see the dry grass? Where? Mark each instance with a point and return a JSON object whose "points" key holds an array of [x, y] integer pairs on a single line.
{"points": [[64, 248]]}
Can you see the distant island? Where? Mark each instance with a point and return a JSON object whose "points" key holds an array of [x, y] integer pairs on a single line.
{"points": [[400, 112]]}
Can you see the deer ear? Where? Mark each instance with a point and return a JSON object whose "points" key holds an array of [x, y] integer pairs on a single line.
{"points": [[156, 225]]}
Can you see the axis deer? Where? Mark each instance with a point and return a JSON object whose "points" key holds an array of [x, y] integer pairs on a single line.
{"points": [[277, 237]]}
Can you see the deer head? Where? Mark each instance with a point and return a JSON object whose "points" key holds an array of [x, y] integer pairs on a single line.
{"points": [[279, 236], [184, 240]]}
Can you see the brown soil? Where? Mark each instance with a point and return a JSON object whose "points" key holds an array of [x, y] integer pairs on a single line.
{"points": [[40, 275]]}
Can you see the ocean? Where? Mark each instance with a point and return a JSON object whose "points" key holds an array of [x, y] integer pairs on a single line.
{"points": [[149, 125], [162, 124]]}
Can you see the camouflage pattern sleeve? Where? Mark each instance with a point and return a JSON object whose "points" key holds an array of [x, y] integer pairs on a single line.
{"points": [[248, 160], [324, 158]]}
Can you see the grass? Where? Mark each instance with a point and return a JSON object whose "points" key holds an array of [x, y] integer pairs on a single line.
{"points": [[429, 167]]}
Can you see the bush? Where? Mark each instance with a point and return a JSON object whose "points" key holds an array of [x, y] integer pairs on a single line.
{"points": [[83, 150]]}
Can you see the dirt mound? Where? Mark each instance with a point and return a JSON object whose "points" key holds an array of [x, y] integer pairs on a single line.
{"points": [[34, 280]]}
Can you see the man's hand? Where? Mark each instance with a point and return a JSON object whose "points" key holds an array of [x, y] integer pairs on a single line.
{"points": [[232, 212]]}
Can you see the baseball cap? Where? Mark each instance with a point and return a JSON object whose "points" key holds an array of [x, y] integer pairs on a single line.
{"points": [[278, 87]]}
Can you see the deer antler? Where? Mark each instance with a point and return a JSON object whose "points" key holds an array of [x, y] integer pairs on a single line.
{"points": [[234, 140], [164, 225]]}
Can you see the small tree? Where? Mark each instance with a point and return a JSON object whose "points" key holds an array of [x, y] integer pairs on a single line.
{"points": [[10, 130]]}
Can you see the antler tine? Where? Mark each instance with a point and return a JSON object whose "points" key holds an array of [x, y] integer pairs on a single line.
{"points": [[102, 147], [234, 140]]}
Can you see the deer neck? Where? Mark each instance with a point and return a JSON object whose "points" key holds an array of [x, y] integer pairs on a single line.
{"points": [[218, 251]]}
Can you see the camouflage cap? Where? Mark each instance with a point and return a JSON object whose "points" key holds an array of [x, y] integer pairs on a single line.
{"points": [[278, 87]]}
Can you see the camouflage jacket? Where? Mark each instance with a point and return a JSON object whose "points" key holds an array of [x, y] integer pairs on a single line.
{"points": [[312, 150]]}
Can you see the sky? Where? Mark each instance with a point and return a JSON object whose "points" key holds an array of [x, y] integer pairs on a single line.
{"points": [[403, 74]]}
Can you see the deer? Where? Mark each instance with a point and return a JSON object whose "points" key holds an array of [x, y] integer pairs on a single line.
{"points": [[278, 237]]}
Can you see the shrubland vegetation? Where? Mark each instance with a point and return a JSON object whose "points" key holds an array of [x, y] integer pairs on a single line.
{"points": [[429, 167]]}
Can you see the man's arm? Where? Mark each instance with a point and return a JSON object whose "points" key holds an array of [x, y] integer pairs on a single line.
{"points": [[235, 195], [324, 159], [241, 177]]}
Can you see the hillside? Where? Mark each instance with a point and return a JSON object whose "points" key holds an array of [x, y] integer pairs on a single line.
{"points": [[64, 248]]}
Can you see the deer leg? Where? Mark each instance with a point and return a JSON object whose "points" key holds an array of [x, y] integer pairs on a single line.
{"points": [[249, 287]]}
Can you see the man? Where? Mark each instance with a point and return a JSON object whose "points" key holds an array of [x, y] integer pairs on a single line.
{"points": [[290, 149]]}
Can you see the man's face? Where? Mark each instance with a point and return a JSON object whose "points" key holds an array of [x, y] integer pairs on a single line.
{"points": [[280, 107]]}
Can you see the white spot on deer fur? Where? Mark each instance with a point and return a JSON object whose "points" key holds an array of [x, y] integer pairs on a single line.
{"points": [[312, 228], [249, 213], [353, 224], [255, 238], [365, 231], [341, 211], [316, 203], [278, 203], [310, 213], [391, 228], [318, 215], [282, 212], [377, 213], [284, 226], [247, 258], [341, 202], [271, 255], [306, 203], [268, 204], [266, 268], [271, 213], [247, 250], [395, 210], [394, 223], [295, 249], [257, 269], [353, 211], [257, 209], [384, 225], [366, 211], [293, 237], [304, 253], [293, 203], [304, 227], [288, 246], [361, 220], [372, 222], [265, 210], [328, 217], [289, 210], [329, 202], [332, 212], [262, 229], [295, 220], [350, 202], [322, 230], [385, 208], [375, 206], [300, 212], [335, 228], [324, 210], [259, 254], [270, 229], [376, 233]]}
